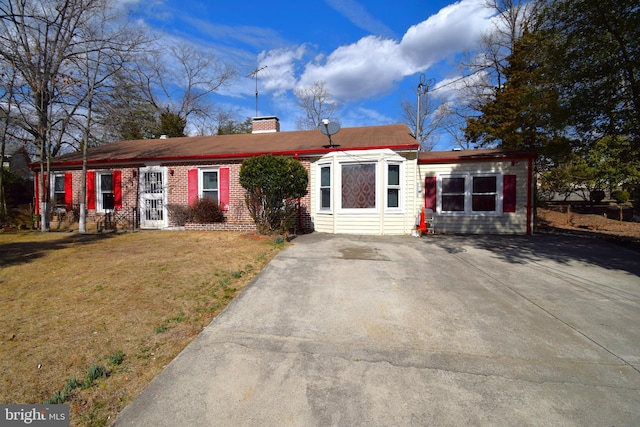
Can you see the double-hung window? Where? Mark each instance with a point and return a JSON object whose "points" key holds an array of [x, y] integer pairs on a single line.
{"points": [[485, 194], [59, 191], [325, 187], [470, 194], [209, 185], [453, 193], [104, 194], [394, 193]]}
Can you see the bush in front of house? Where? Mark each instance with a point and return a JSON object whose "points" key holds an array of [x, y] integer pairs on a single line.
{"points": [[620, 196], [206, 211], [179, 215], [273, 185]]}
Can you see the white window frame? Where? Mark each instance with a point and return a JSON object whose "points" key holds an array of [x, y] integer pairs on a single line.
{"points": [[468, 193], [400, 186], [201, 173], [322, 209], [338, 187], [58, 206], [98, 188]]}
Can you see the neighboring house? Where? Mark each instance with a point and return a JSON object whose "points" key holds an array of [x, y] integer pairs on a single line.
{"points": [[371, 180], [16, 159]]}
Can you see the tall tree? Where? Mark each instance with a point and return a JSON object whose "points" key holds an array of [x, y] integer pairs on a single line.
{"points": [[595, 61], [316, 104], [7, 92], [484, 66], [108, 48], [525, 113], [40, 40], [183, 81]]}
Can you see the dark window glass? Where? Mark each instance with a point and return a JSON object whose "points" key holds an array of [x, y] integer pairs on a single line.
{"points": [[452, 185], [453, 203], [484, 184]]}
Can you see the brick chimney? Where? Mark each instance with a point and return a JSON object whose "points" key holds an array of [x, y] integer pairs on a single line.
{"points": [[265, 124]]}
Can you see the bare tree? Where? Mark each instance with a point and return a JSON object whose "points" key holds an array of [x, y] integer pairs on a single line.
{"points": [[316, 104], [65, 53], [423, 116], [40, 40], [7, 88], [107, 50], [183, 85]]}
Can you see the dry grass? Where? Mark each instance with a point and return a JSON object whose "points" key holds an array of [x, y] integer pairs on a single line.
{"points": [[68, 301], [597, 225]]}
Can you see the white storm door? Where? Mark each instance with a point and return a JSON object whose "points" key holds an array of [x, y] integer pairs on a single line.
{"points": [[153, 195]]}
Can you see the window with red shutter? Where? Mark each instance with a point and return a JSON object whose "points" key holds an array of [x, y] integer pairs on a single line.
{"points": [[91, 190], [192, 185], [117, 190]]}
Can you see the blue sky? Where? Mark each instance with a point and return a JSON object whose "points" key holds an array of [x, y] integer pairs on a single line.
{"points": [[370, 54]]}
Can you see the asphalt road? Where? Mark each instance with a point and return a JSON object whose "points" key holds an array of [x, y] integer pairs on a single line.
{"points": [[405, 331]]}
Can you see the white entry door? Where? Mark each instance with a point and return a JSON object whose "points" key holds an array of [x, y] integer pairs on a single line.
{"points": [[153, 195]]}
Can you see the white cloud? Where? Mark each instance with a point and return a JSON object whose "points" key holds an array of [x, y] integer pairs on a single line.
{"points": [[280, 72], [453, 29], [359, 16], [360, 70], [373, 65]]}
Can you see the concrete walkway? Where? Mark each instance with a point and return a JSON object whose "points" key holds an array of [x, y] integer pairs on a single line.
{"points": [[404, 331]]}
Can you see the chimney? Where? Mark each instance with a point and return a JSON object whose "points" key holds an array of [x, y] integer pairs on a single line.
{"points": [[265, 124]]}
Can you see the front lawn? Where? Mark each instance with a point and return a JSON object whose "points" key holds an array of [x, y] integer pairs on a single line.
{"points": [[91, 319]]}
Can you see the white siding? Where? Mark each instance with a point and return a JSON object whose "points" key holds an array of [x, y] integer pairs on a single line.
{"points": [[506, 222]]}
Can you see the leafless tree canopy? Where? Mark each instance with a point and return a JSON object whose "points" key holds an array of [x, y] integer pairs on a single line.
{"points": [[316, 104], [182, 81]]}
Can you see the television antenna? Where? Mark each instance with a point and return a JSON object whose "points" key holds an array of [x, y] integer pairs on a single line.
{"points": [[254, 74], [329, 128]]}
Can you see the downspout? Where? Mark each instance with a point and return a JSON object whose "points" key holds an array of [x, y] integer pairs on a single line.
{"points": [[300, 225]]}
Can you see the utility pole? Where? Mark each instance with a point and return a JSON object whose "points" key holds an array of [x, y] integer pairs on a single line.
{"points": [[254, 74], [423, 88]]}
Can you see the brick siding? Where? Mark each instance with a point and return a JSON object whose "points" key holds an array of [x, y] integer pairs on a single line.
{"points": [[237, 217]]}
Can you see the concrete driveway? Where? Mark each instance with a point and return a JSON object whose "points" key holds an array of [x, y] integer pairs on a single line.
{"points": [[404, 331]]}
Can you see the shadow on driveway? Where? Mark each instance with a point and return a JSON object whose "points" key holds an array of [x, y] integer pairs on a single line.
{"points": [[561, 248]]}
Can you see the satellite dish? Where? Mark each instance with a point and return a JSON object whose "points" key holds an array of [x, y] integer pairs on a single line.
{"points": [[329, 128]]}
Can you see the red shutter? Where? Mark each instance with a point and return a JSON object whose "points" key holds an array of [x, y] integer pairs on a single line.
{"points": [[224, 188], [68, 191], [117, 190], [509, 193], [192, 185], [430, 192], [37, 193], [91, 190]]}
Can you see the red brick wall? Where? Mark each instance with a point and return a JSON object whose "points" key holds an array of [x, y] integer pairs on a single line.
{"points": [[237, 217]]}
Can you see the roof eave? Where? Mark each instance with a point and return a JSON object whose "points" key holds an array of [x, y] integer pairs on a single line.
{"points": [[141, 161]]}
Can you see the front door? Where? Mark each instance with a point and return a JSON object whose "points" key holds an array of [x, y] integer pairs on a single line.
{"points": [[153, 193]]}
